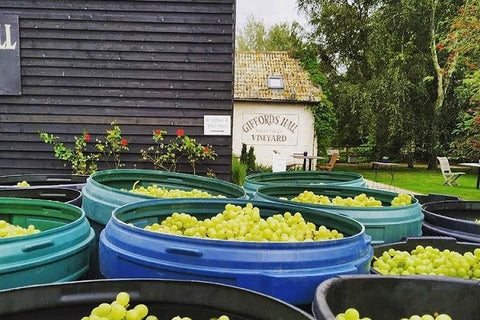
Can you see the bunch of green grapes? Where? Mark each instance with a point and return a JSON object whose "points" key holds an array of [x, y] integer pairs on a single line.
{"points": [[156, 191], [119, 310], [9, 230], [245, 224], [350, 314], [353, 314], [435, 316], [402, 199], [429, 261], [360, 200], [23, 183]]}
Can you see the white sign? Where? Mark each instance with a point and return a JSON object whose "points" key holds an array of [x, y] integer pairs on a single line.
{"points": [[270, 129], [216, 125]]}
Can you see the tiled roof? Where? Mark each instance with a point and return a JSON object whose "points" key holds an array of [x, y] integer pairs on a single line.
{"points": [[252, 70]]}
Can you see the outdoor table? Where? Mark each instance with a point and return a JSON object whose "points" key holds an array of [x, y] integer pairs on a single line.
{"points": [[377, 165], [305, 158], [473, 165]]}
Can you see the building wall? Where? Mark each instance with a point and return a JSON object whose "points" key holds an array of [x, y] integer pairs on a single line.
{"points": [[145, 64], [267, 126]]}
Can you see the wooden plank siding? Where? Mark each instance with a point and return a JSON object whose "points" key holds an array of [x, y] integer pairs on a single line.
{"points": [[146, 64]]}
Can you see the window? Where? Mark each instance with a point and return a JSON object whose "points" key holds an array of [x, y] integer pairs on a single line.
{"points": [[275, 82]]}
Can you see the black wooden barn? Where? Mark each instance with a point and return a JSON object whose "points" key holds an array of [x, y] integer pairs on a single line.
{"points": [[146, 64]]}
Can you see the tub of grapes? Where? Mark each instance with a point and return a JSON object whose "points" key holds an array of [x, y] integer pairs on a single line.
{"points": [[42, 241], [326, 178], [387, 216], [280, 250], [376, 297], [142, 299], [109, 189]]}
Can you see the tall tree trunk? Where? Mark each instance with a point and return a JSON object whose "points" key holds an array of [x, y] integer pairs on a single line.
{"points": [[443, 80]]}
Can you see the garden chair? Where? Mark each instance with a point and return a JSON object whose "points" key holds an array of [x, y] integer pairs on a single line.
{"points": [[331, 164], [449, 176]]}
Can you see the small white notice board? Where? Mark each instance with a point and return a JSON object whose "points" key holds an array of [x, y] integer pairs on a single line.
{"points": [[214, 125]]}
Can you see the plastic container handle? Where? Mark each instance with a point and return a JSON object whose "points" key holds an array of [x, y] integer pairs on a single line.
{"points": [[37, 246], [184, 251]]}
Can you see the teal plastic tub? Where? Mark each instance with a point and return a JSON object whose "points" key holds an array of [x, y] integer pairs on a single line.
{"points": [[329, 178], [289, 271], [107, 190], [384, 224], [59, 253]]}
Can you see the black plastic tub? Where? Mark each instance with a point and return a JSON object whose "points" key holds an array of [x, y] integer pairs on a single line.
{"points": [[44, 180], [71, 196], [164, 298], [394, 297], [452, 219], [434, 197]]}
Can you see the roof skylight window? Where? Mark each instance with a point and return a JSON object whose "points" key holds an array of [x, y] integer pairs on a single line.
{"points": [[275, 82]]}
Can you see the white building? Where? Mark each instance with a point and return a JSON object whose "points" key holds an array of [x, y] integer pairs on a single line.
{"points": [[272, 99]]}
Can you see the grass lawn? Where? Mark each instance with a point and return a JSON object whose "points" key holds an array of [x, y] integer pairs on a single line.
{"points": [[420, 180]]}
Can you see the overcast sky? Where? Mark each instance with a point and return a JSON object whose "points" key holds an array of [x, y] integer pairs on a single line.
{"points": [[270, 11]]}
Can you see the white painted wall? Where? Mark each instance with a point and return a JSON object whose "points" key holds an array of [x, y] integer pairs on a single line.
{"points": [[284, 127]]}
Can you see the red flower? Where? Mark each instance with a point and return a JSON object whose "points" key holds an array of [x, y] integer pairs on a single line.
{"points": [[450, 57], [473, 66], [443, 71], [206, 149], [124, 142], [440, 46], [86, 137], [158, 132], [180, 132]]}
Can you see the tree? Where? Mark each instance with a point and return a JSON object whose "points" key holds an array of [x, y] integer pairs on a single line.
{"points": [[385, 81]]}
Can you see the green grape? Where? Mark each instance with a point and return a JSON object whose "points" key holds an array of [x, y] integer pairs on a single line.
{"points": [[352, 314], [245, 224], [142, 310], [117, 311], [8, 230], [132, 314], [123, 298]]}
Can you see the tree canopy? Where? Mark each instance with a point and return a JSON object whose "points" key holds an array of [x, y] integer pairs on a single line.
{"points": [[402, 76]]}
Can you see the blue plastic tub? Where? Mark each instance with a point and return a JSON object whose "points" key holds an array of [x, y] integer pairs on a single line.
{"points": [[107, 190], [328, 178], [289, 271], [59, 253], [384, 224]]}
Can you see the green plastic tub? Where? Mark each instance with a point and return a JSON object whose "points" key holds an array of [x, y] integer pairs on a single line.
{"points": [[107, 190], [395, 297], [330, 178], [164, 298], [384, 224], [59, 253]]}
